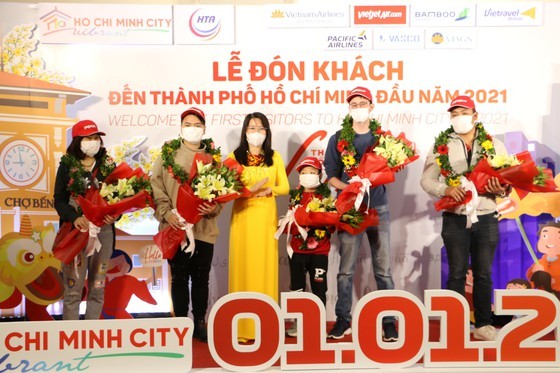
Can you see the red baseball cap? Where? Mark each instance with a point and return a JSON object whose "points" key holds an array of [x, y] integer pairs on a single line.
{"points": [[359, 91], [85, 128], [194, 111], [310, 161], [462, 101]]}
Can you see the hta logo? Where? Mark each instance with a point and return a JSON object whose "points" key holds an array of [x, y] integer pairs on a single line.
{"points": [[55, 20], [205, 25]]}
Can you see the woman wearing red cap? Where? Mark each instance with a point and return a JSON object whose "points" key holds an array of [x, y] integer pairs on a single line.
{"points": [[85, 163], [253, 252]]}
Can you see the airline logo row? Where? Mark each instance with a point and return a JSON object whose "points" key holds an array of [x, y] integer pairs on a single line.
{"points": [[398, 38], [454, 14]]}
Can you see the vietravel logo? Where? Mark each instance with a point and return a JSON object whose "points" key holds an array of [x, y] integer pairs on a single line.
{"points": [[510, 14], [442, 14], [205, 24]]}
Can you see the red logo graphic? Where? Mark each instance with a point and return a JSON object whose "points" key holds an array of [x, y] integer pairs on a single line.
{"points": [[380, 15]]}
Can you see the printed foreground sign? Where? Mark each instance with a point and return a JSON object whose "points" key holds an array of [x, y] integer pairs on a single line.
{"points": [[141, 345], [146, 345]]}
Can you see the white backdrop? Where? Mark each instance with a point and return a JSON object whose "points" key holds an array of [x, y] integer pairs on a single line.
{"points": [[518, 66]]}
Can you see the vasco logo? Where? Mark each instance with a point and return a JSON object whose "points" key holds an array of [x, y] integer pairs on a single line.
{"points": [[205, 25]]}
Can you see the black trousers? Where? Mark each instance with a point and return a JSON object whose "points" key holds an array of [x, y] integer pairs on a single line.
{"points": [[316, 266], [196, 268]]}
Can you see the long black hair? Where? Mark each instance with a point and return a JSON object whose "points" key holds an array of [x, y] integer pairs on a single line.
{"points": [[241, 151], [75, 148]]}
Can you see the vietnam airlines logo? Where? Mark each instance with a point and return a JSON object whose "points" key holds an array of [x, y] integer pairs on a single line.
{"points": [[278, 14], [204, 24]]}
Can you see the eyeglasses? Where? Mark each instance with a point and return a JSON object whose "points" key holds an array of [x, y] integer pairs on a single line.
{"points": [[356, 105], [256, 129]]}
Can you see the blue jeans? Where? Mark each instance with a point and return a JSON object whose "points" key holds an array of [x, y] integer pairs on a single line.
{"points": [[379, 241], [480, 243]]}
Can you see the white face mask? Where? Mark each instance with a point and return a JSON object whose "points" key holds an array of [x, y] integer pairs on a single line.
{"points": [[256, 138], [192, 135], [309, 181], [462, 124], [360, 114], [90, 148]]}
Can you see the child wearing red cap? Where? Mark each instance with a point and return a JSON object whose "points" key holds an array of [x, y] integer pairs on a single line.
{"points": [[312, 254]]}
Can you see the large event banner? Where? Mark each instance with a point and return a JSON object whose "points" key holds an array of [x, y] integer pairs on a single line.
{"points": [[134, 73]]}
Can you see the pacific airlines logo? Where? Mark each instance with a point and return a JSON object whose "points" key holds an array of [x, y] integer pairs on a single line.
{"points": [[204, 24]]}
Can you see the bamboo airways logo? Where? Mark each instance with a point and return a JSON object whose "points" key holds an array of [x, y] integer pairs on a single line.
{"points": [[205, 25]]}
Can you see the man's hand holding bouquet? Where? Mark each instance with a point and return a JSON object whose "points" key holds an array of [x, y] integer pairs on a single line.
{"points": [[210, 182], [378, 166]]}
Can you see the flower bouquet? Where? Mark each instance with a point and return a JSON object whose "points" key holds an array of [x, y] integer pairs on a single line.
{"points": [[69, 241], [377, 167], [124, 190], [397, 151], [519, 171], [320, 213], [209, 181]]}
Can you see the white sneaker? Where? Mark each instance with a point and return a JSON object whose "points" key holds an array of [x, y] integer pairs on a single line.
{"points": [[292, 330], [485, 333]]}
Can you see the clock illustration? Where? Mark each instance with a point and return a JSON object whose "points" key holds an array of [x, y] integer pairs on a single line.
{"points": [[22, 163]]}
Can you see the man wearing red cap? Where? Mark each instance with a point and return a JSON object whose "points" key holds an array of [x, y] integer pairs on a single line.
{"points": [[165, 182], [344, 150], [471, 229]]}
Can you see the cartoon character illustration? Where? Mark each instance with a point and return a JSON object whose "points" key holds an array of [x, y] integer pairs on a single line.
{"points": [[518, 283], [121, 287], [28, 268], [549, 245]]}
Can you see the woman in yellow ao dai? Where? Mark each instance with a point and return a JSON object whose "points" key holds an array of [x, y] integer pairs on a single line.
{"points": [[253, 250]]}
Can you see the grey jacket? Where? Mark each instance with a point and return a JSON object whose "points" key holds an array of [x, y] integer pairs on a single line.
{"points": [[434, 184]]}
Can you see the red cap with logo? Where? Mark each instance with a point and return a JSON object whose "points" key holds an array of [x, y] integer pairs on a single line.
{"points": [[462, 101], [359, 91], [310, 161], [86, 128], [194, 111]]}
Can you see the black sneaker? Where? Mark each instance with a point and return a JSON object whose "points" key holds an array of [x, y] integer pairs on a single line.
{"points": [[340, 329], [390, 333], [200, 332]]}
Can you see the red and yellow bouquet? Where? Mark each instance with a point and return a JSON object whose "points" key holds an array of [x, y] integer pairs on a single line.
{"points": [[124, 190], [209, 181]]}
